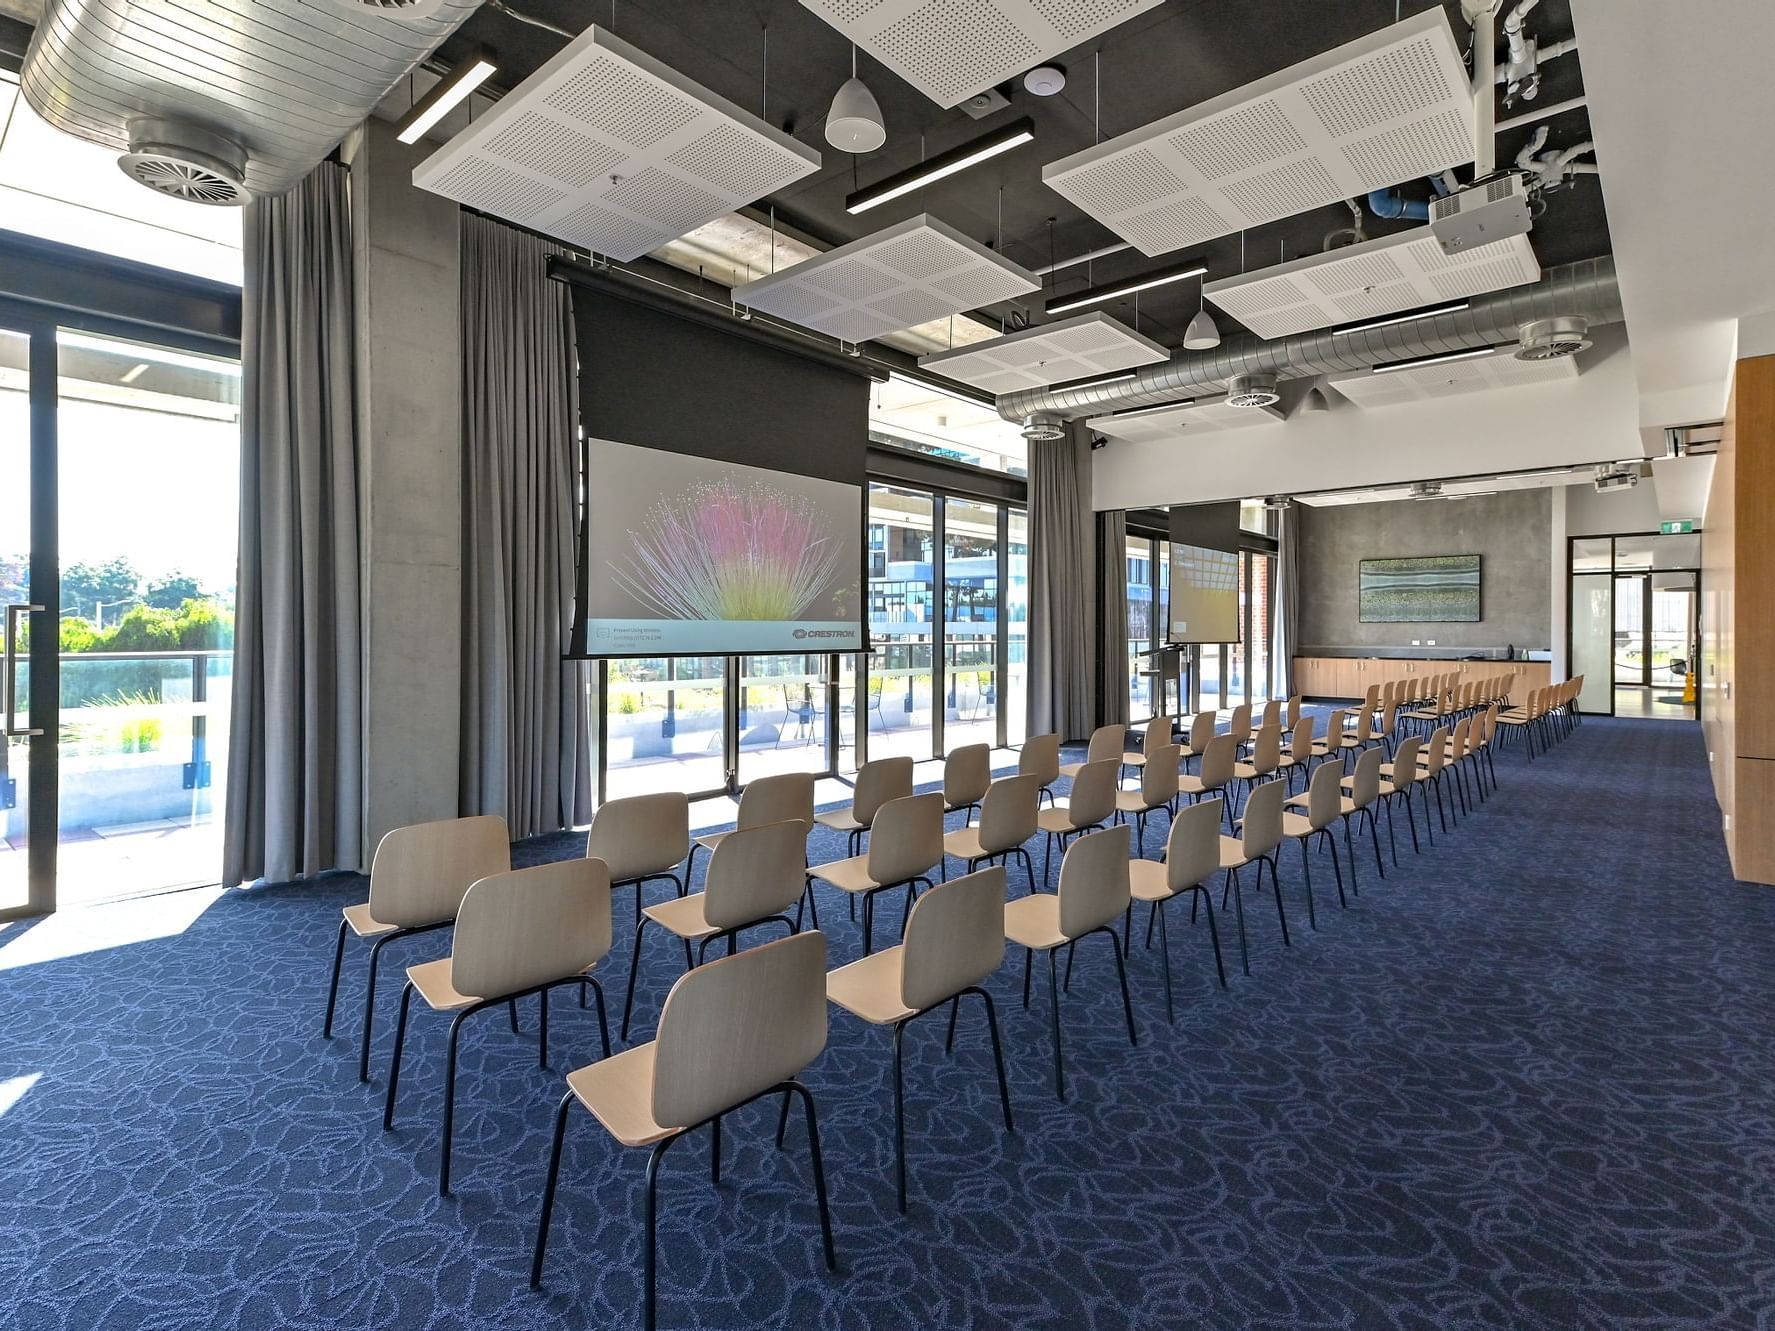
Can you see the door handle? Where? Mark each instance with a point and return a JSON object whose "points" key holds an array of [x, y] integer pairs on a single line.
{"points": [[11, 670]]}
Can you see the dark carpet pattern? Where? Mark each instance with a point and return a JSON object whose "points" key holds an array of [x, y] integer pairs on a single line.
{"points": [[1527, 1082]]}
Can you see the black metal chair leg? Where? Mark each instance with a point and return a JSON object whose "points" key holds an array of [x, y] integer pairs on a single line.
{"points": [[1374, 836], [449, 1102], [326, 1029], [603, 1020], [715, 1152], [512, 1010], [900, 1115], [363, 1058], [998, 1056], [542, 1029], [1306, 868], [1122, 975], [394, 1066], [1165, 963], [1239, 905], [548, 1190], [649, 1300], [813, 1147], [783, 1121], [628, 1003], [1054, 1019], [1213, 931], [1348, 843], [954, 1009], [1337, 869], [1276, 887]]}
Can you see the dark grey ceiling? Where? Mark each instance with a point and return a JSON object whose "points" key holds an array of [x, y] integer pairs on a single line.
{"points": [[1172, 57]]}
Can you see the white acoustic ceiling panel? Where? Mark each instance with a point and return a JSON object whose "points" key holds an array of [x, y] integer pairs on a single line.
{"points": [[1390, 107], [1370, 281], [606, 148], [1431, 383], [951, 49], [1212, 416], [1053, 353], [915, 271]]}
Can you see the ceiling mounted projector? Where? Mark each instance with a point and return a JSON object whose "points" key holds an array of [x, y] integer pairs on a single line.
{"points": [[1252, 390], [1277, 503], [854, 123], [1613, 476], [1426, 489], [1044, 425], [1553, 339], [179, 159]]}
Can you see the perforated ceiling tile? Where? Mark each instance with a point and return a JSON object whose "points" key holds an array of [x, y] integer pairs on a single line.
{"points": [[915, 271], [1392, 106], [951, 49], [1055, 353], [607, 148], [1429, 383], [1210, 416], [1369, 281]]}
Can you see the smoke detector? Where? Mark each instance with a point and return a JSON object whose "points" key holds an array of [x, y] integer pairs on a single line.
{"points": [[1252, 390], [1044, 425], [177, 158], [1614, 476], [1553, 339], [1426, 489]]}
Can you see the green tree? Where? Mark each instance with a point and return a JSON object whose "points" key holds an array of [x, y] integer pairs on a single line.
{"points": [[170, 591], [204, 626], [77, 635], [143, 629], [86, 586]]}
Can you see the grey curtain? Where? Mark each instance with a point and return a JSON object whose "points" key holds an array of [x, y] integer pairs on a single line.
{"points": [[1285, 617], [1062, 591], [1112, 617], [525, 744], [295, 755]]}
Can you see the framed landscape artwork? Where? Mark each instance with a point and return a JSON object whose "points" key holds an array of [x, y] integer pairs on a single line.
{"points": [[1425, 590]]}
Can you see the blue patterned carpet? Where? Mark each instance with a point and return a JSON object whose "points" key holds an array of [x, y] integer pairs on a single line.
{"points": [[1525, 1083]]}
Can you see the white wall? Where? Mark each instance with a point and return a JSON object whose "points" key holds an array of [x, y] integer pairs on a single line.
{"points": [[1591, 514], [1594, 418]]}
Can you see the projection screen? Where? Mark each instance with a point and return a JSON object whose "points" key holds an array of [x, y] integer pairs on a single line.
{"points": [[1204, 594]]}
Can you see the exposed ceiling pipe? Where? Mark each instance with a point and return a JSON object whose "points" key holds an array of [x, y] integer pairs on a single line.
{"points": [[1585, 289], [1541, 113], [1485, 140]]}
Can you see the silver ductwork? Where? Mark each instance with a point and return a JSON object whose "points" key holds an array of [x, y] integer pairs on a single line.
{"points": [[260, 90], [1587, 290]]}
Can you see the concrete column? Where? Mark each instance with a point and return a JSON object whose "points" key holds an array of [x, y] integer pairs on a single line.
{"points": [[409, 350]]}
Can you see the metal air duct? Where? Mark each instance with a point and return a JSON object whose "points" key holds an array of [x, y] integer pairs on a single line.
{"points": [[1587, 290]]}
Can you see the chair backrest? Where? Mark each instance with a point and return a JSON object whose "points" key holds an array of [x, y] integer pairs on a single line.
{"points": [[1192, 851], [1266, 749], [1294, 705], [1218, 760], [420, 873], [1239, 724], [755, 872], [643, 834], [1436, 750], [1107, 742], [1389, 716], [1325, 795], [1093, 795], [523, 928], [967, 772], [907, 838], [878, 781], [1365, 781], [955, 937], [1372, 695], [734, 1028], [1094, 880], [1491, 724], [1158, 779], [1262, 827], [1334, 727], [1272, 713], [1364, 731], [1201, 730], [1405, 762], [1156, 736], [1457, 740], [1301, 745], [1040, 758], [776, 799], [1007, 814]]}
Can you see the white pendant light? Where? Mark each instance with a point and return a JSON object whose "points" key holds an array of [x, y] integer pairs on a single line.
{"points": [[854, 123], [1203, 334]]}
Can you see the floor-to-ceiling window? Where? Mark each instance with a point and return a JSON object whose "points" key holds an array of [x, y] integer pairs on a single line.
{"points": [[1634, 623], [902, 620], [1143, 626]]}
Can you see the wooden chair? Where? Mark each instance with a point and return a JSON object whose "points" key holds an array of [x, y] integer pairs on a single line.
{"points": [[518, 933], [642, 839], [1106, 742], [878, 781], [1089, 806], [734, 1031], [1219, 760], [767, 799], [1266, 757], [1260, 836], [1155, 735], [904, 847], [967, 772], [1201, 732], [1040, 757], [1158, 790], [1192, 857], [1363, 787], [1324, 802], [1007, 820]]}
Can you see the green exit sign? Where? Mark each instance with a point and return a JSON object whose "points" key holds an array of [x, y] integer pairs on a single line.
{"points": [[1676, 528]]}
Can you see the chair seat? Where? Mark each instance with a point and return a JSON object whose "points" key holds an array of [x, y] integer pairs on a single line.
{"points": [[841, 819], [1034, 921], [1297, 825], [1346, 805], [850, 875], [870, 988], [1071, 769], [1232, 853], [1190, 784], [1148, 881], [434, 982], [619, 1093], [1056, 818], [1136, 760], [964, 843], [1133, 801], [1249, 772], [949, 808], [682, 916], [365, 925]]}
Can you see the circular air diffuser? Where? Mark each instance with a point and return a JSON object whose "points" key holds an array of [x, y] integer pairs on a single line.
{"points": [[1252, 390], [398, 8], [1044, 425], [181, 160], [1553, 339]]}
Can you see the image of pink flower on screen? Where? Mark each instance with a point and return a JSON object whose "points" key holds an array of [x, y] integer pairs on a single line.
{"points": [[731, 550]]}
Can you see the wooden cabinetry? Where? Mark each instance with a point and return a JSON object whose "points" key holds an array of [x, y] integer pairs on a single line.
{"points": [[1350, 676]]}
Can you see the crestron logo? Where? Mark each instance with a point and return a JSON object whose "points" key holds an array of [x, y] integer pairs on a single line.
{"points": [[821, 633], [800, 634]]}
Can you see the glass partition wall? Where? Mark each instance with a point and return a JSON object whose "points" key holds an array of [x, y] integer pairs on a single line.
{"points": [[1635, 623], [1217, 675]]}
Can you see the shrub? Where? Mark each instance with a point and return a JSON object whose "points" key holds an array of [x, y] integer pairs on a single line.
{"points": [[144, 629], [204, 626]]}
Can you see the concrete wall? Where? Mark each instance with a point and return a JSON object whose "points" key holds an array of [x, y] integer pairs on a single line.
{"points": [[1511, 532], [1616, 513], [407, 261]]}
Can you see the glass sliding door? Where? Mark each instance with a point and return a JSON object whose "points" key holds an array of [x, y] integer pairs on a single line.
{"points": [[663, 722], [902, 602], [972, 603], [787, 715], [1016, 611], [27, 879]]}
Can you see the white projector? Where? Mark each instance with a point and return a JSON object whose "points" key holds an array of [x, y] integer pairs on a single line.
{"points": [[1610, 479], [1480, 215]]}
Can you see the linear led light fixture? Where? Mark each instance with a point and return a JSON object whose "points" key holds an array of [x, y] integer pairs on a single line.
{"points": [[971, 153], [1471, 354], [446, 95], [1453, 307], [1127, 287], [1098, 382], [1147, 411]]}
